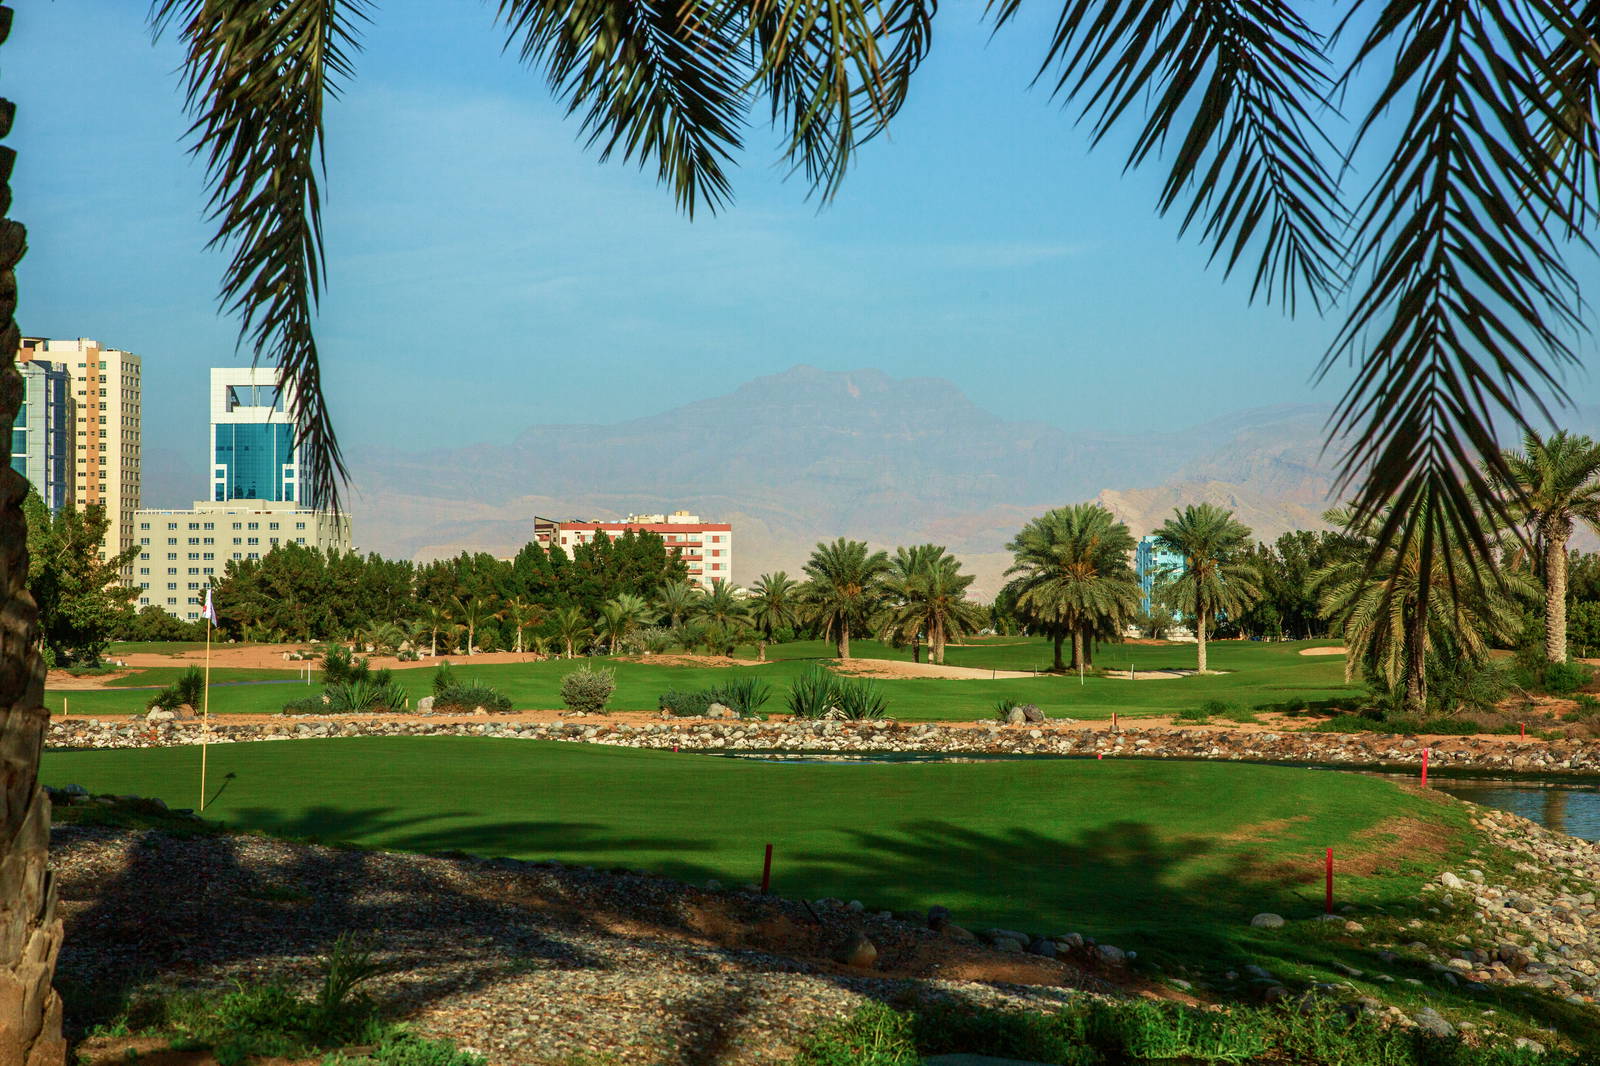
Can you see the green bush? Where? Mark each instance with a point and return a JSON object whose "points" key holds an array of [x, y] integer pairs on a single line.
{"points": [[1003, 708], [443, 677], [365, 690], [307, 705], [686, 704], [859, 699], [337, 664], [470, 696], [588, 690], [743, 695], [1563, 679], [811, 695], [190, 688]]}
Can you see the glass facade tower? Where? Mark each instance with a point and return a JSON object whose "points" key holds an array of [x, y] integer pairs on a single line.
{"points": [[253, 452]]}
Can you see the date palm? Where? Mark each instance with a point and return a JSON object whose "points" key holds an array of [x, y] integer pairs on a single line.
{"points": [[1394, 616], [436, 619], [620, 615], [844, 590], [523, 616], [471, 612], [926, 595], [676, 600], [1218, 577], [722, 606], [774, 605], [1555, 484], [570, 628], [1071, 575], [1451, 259]]}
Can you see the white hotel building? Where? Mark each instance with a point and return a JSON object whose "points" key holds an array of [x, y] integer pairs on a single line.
{"points": [[706, 547]]}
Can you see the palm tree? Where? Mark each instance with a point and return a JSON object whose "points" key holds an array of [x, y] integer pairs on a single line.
{"points": [[1460, 299], [927, 599], [844, 590], [619, 616], [1218, 577], [571, 627], [1071, 575], [472, 613], [774, 605], [677, 600], [523, 616], [1554, 483], [435, 618], [1393, 614], [721, 605]]}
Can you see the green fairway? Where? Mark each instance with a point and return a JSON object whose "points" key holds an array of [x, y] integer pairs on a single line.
{"points": [[1258, 675], [1147, 854]]}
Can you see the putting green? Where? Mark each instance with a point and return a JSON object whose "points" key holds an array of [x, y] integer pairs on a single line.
{"points": [[1148, 854]]}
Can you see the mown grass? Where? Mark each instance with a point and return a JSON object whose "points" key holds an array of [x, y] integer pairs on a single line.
{"points": [[1259, 674], [1170, 860]]}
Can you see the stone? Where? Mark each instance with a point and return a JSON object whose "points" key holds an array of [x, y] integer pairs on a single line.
{"points": [[1433, 1022], [1111, 955], [938, 918], [1451, 881], [1267, 920], [1260, 973], [425, 705], [184, 713], [1041, 946], [858, 951], [713, 885], [1528, 1044], [1031, 713], [1015, 716], [1274, 994], [855, 906], [157, 714], [956, 932], [720, 710], [1069, 941], [1005, 943]]}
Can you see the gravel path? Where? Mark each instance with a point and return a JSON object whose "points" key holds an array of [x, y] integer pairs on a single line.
{"points": [[523, 962]]}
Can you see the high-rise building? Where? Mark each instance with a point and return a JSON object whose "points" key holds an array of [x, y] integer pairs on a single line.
{"points": [[1155, 566], [42, 435], [183, 551], [107, 430], [706, 547], [253, 452]]}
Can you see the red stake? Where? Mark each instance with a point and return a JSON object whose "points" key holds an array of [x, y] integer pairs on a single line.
{"points": [[1424, 767], [1113, 721], [1099, 755], [1327, 900], [1522, 727], [766, 872]]}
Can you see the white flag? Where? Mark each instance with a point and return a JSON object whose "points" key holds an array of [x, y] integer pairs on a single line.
{"points": [[210, 613]]}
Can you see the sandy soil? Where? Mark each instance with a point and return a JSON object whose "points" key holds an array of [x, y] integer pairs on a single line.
{"points": [[894, 668], [1321, 651]]}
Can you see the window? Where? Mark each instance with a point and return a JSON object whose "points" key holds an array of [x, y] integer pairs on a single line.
{"points": [[172, 570], [142, 540], [237, 555], [194, 555], [144, 569], [194, 540], [194, 525], [208, 555], [299, 525], [299, 540], [254, 525], [208, 570], [255, 555], [209, 525], [208, 540], [172, 540], [144, 525], [236, 525], [272, 525], [171, 585], [253, 540], [172, 525]]}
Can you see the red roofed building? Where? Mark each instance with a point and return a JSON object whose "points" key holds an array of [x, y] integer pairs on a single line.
{"points": [[706, 547]]}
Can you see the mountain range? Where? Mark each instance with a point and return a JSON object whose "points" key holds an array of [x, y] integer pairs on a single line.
{"points": [[808, 454]]}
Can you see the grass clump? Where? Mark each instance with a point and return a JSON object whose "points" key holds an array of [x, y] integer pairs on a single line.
{"points": [[744, 696], [189, 688], [587, 690], [469, 697], [812, 693], [692, 704], [860, 700], [1003, 708]]}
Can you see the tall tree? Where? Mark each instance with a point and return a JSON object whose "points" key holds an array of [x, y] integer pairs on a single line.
{"points": [[926, 599], [82, 601], [1217, 573], [774, 605], [621, 615], [1072, 575], [843, 590], [722, 606], [522, 616], [570, 627], [1393, 614], [1554, 483], [676, 601], [472, 612]]}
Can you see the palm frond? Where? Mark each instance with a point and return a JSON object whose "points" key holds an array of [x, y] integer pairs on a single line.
{"points": [[660, 80], [256, 77], [1236, 83], [1467, 307]]}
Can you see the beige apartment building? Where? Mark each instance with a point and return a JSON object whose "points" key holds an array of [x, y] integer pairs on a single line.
{"points": [[183, 551], [107, 437], [705, 547]]}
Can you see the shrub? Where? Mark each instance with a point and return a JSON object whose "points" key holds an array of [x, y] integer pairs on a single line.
{"points": [[1003, 708], [812, 693], [1198, 715], [686, 704], [190, 688], [649, 640], [859, 699], [443, 678], [307, 705], [406, 655], [744, 695], [588, 690], [1563, 679], [336, 664], [365, 691], [470, 696]]}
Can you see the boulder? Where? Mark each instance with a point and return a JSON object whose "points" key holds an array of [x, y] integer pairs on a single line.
{"points": [[1451, 881], [183, 713], [720, 710], [1041, 946], [956, 932], [1433, 1022], [1031, 713], [157, 714], [1111, 955], [425, 705], [1005, 943], [1015, 716], [858, 951], [1267, 920]]}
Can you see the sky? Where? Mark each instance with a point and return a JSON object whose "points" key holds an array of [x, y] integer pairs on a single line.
{"points": [[488, 273]]}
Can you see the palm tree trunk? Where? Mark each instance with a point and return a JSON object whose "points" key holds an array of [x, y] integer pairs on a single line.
{"points": [[842, 645], [1416, 663], [1077, 647], [916, 648], [761, 650], [1200, 637], [1058, 666], [1555, 598], [30, 931]]}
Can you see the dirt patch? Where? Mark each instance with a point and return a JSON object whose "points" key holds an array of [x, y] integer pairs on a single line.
{"points": [[152, 1051], [1264, 829], [61, 681], [1321, 651], [894, 668], [1396, 840], [680, 659]]}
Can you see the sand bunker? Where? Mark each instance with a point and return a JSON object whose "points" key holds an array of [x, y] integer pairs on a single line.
{"points": [[1321, 651], [892, 668], [1161, 675]]}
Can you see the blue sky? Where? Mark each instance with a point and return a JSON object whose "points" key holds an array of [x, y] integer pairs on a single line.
{"points": [[488, 273]]}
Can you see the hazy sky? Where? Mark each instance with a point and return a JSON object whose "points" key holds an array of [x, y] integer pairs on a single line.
{"points": [[488, 273]]}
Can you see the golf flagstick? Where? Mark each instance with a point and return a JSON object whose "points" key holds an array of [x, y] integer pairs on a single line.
{"points": [[210, 615]]}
